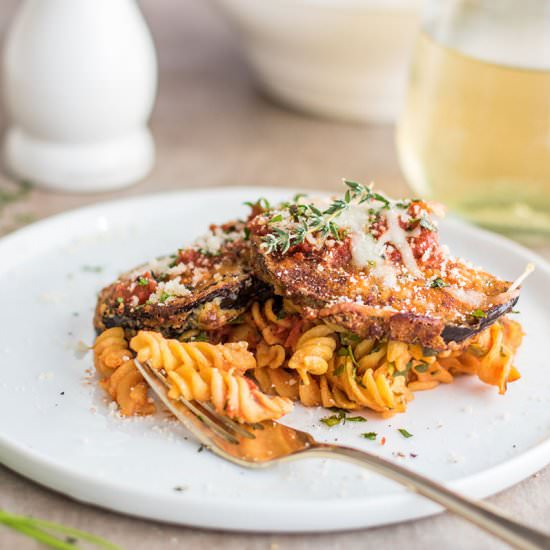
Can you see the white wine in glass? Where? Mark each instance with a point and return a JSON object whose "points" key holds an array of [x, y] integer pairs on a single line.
{"points": [[475, 132]]}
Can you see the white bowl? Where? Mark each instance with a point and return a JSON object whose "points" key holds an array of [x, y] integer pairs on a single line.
{"points": [[341, 58]]}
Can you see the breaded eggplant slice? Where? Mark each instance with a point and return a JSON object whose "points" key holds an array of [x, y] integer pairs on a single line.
{"points": [[202, 287], [375, 267]]}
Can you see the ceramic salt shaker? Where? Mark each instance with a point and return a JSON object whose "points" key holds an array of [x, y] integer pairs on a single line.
{"points": [[79, 86]]}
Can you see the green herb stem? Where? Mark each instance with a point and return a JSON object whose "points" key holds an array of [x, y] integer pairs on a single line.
{"points": [[356, 419], [43, 531], [310, 220]]}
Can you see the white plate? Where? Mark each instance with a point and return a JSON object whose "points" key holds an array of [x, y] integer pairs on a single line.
{"points": [[57, 429]]}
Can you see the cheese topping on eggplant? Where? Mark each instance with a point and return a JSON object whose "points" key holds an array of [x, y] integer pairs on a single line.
{"points": [[369, 252]]}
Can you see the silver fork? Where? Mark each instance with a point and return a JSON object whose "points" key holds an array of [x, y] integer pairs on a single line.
{"points": [[267, 443]]}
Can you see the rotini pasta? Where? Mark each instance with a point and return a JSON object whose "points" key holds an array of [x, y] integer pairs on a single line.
{"points": [[114, 361], [214, 373], [272, 329], [382, 376], [291, 360], [267, 333], [314, 350], [270, 356], [489, 355]]}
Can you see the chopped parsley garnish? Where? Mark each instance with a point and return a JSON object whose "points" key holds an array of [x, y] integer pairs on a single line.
{"points": [[405, 433], [163, 297], [199, 337], [339, 369], [377, 347], [120, 300], [478, 314], [340, 416], [142, 281], [333, 420], [422, 367], [348, 352], [369, 435], [438, 283], [404, 372], [356, 419], [347, 338]]}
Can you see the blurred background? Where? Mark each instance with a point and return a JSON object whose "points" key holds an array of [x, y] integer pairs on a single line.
{"points": [[213, 124], [447, 99]]}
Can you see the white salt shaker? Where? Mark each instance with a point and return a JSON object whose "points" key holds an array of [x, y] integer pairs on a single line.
{"points": [[79, 86]]}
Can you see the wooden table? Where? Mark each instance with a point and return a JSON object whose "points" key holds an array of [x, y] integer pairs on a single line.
{"points": [[212, 127]]}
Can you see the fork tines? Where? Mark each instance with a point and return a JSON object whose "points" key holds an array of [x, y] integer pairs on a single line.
{"points": [[220, 425]]}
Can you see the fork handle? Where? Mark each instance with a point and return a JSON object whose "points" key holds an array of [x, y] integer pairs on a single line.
{"points": [[482, 514]]}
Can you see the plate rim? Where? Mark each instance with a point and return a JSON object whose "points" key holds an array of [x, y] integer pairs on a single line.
{"points": [[86, 488]]}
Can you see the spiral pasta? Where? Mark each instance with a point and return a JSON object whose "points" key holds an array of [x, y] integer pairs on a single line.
{"points": [[314, 350], [489, 355], [278, 381], [214, 373], [268, 333], [382, 376], [114, 361], [272, 357], [272, 328]]}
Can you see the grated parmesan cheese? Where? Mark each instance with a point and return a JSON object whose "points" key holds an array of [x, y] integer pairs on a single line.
{"points": [[471, 297], [368, 251], [212, 241], [173, 289]]}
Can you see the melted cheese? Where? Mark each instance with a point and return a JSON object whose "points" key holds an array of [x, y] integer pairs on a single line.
{"points": [[369, 252], [398, 237]]}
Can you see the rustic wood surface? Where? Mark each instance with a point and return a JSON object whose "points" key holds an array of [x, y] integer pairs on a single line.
{"points": [[212, 128]]}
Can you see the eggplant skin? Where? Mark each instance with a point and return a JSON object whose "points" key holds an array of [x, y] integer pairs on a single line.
{"points": [[324, 285], [209, 309], [430, 332], [459, 333]]}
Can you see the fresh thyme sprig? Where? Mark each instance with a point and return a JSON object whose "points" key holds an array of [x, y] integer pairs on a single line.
{"points": [[308, 219], [52, 534]]}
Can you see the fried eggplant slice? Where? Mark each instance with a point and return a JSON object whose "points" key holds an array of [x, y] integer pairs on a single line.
{"points": [[202, 287], [375, 267]]}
